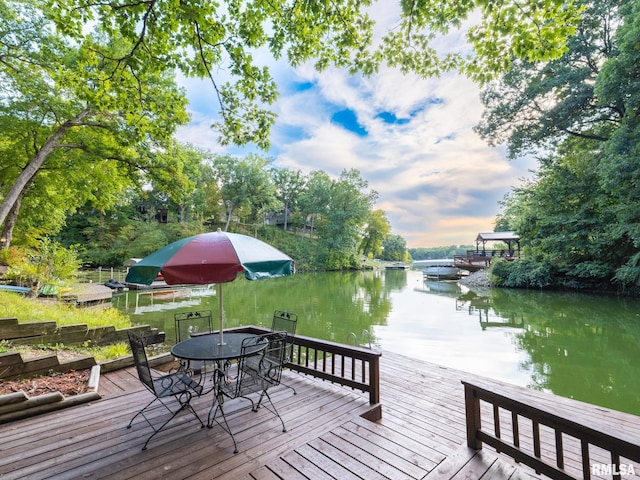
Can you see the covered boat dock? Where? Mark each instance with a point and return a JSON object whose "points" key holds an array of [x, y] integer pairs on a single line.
{"points": [[481, 257]]}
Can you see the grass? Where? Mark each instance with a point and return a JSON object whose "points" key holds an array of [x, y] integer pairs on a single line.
{"points": [[31, 310]]}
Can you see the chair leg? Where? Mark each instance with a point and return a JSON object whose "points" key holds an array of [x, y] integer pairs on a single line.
{"points": [[289, 387], [141, 413], [219, 405], [184, 405], [226, 426], [272, 409]]}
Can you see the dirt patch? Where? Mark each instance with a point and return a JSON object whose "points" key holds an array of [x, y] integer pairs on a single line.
{"points": [[70, 383]]}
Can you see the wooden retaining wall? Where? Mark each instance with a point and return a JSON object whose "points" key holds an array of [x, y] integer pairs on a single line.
{"points": [[37, 333], [13, 365], [49, 333]]}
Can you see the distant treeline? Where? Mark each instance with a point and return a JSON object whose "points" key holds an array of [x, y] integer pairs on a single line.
{"points": [[434, 253]]}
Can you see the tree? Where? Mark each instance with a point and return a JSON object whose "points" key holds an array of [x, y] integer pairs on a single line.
{"points": [[77, 76], [619, 84], [537, 106], [394, 249], [183, 195], [202, 38], [377, 229], [206, 200], [578, 217], [66, 105], [348, 210], [314, 200], [289, 185], [244, 184]]}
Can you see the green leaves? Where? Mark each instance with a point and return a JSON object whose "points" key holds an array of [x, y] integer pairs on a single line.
{"points": [[221, 42], [85, 121]]}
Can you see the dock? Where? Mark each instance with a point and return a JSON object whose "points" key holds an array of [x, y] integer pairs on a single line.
{"points": [[421, 435]]}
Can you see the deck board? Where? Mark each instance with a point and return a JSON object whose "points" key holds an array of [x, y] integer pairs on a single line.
{"points": [[421, 434]]}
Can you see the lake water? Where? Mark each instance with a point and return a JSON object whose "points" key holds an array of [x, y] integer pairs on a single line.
{"points": [[579, 346]]}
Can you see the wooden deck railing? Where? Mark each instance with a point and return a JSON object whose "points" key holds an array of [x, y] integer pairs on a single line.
{"points": [[354, 367], [478, 260], [615, 452]]}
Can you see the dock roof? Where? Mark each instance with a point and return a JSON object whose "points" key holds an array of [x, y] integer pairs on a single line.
{"points": [[497, 237]]}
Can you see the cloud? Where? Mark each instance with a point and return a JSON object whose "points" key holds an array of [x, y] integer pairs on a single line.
{"points": [[411, 138]]}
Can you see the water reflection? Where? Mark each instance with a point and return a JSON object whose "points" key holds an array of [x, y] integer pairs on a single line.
{"points": [[136, 302], [447, 288], [580, 346]]}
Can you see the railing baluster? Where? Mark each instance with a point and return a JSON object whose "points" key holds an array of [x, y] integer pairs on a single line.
{"points": [[536, 438], [559, 450], [333, 364], [496, 421], [586, 462], [516, 430], [615, 461]]}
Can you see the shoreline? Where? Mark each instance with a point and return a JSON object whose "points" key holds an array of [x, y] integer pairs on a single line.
{"points": [[476, 279]]}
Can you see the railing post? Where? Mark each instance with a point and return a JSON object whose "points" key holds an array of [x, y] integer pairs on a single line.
{"points": [[472, 410], [374, 380]]}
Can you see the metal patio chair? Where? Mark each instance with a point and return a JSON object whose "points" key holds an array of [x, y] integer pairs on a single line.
{"points": [[190, 323], [256, 374], [286, 321], [193, 323], [178, 385]]}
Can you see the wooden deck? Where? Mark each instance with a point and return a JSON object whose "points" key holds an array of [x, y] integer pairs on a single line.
{"points": [[421, 434]]}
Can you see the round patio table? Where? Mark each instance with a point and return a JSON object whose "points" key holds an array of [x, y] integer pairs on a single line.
{"points": [[207, 348]]}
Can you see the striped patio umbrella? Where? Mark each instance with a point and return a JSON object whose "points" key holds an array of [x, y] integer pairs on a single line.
{"points": [[215, 257]]}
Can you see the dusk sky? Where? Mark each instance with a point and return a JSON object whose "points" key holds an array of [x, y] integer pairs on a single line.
{"points": [[412, 140]]}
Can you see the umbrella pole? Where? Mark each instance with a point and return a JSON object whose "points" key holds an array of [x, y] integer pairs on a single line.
{"points": [[220, 311]]}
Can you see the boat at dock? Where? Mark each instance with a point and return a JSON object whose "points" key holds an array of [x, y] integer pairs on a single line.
{"points": [[442, 273], [439, 269]]}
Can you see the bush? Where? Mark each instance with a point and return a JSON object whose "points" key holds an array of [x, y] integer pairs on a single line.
{"points": [[521, 273], [49, 264]]}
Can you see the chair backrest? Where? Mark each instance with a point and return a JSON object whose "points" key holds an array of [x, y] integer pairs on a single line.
{"points": [[287, 322], [188, 323], [139, 353], [267, 365], [284, 321]]}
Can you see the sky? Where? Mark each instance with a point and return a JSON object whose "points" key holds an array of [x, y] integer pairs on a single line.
{"points": [[410, 138]]}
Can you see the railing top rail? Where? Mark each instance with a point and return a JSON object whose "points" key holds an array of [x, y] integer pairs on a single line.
{"points": [[324, 345]]}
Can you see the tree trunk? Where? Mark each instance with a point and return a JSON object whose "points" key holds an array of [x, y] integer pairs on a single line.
{"points": [[230, 209], [34, 165], [9, 223], [12, 217], [286, 210]]}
